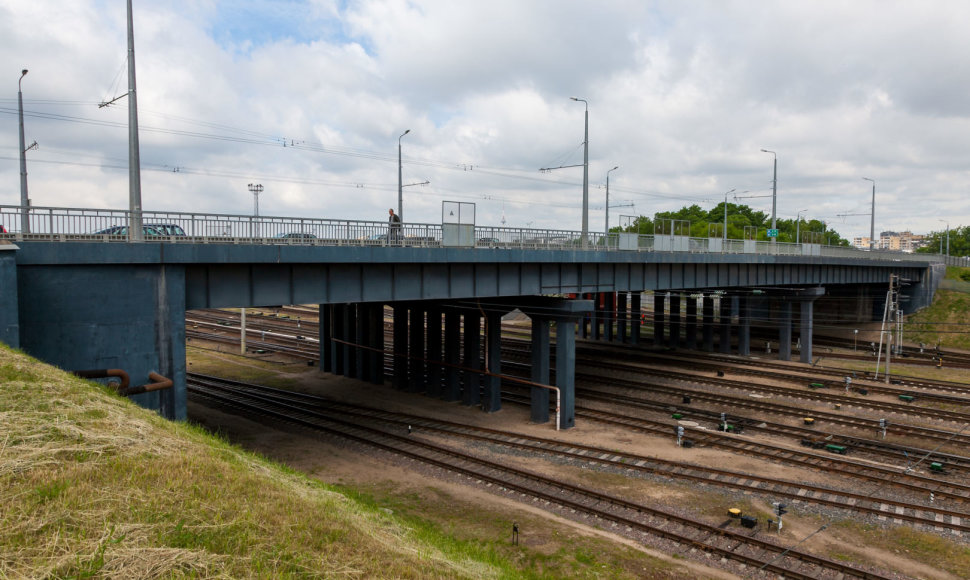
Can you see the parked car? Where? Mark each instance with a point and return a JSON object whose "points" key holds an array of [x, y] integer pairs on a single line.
{"points": [[297, 235], [146, 230], [168, 229]]}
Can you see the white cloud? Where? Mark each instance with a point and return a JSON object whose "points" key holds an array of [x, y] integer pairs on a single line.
{"points": [[682, 96]]}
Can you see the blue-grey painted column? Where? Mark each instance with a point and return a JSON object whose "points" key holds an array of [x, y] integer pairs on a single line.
{"points": [[452, 391], [435, 354], [400, 337], [9, 306], [725, 324], [609, 318], [744, 326], [349, 327], [540, 369], [596, 316], [472, 384], [566, 371], [707, 323], [325, 337], [376, 343], [492, 401], [337, 349], [784, 330], [691, 327], [585, 322], [361, 356], [636, 318], [416, 349], [675, 320], [805, 333], [658, 319], [622, 315]]}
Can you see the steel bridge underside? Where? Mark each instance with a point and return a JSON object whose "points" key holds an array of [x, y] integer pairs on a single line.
{"points": [[96, 305]]}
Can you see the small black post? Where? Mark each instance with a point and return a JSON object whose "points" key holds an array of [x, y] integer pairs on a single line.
{"points": [[515, 534]]}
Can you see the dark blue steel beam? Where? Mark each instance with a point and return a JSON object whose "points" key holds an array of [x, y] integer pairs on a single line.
{"points": [[540, 369], [471, 394]]}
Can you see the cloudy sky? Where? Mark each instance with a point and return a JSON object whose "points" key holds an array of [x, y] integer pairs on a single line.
{"points": [[309, 99]]}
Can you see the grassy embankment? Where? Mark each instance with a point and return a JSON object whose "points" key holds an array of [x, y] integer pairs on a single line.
{"points": [[947, 320], [92, 486]]}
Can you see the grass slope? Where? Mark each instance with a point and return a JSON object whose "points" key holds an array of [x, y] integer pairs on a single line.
{"points": [[92, 486], [947, 320]]}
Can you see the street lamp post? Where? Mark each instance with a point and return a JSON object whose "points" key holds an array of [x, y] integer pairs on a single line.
{"points": [[872, 216], [400, 185], [585, 169], [798, 224], [24, 201], [607, 230], [774, 192], [947, 237], [724, 233]]}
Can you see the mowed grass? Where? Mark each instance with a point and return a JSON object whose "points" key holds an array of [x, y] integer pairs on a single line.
{"points": [[91, 486], [947, 320]]}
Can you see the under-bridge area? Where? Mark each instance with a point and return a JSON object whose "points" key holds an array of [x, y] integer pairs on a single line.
{"points": [[81, 289]]}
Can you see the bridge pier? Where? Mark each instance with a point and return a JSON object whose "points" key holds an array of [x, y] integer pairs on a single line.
{"points": [[707, 305], [472, 383], [435, 352], [622, 316], [691, 337], [636, 318], [674, 320], [452, 390], [725, 324], [658, 319], [744, 326]]}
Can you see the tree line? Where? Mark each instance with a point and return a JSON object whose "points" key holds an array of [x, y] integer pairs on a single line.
{"points": [[742, 223]]}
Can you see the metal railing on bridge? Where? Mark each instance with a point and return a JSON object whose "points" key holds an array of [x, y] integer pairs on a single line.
{"points": [[105, 225]]}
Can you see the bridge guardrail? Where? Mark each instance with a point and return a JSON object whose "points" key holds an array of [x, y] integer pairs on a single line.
{"points": [[95, 225]]}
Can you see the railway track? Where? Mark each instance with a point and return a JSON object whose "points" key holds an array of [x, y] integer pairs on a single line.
{"points": [[744, 549]]}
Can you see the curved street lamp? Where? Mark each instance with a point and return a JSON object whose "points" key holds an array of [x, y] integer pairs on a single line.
{"points": [[872, 216], [774, 191], [585, 170], [400, 186], [798, 224], [24, 201], [607, 230]]}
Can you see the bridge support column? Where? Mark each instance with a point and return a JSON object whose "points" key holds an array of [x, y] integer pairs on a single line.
{"points": [[400, 338], [784, 330], [539, 407], [635, 319], [596, 316], [622, 315], [808, 297], [492, 401], [325, 337], [375, 337], [361, 355], [744, 327], [658, 319], [609, 320], [707, 323], [472, 383], [691, 338], [416, 354], [349, 326], [566, 370], [435, 358], [452, 391], [725, 324], [675, 320]]}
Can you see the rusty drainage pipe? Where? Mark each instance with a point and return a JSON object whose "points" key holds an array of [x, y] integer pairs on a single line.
{"points": [[105, 373], [159, 384]]}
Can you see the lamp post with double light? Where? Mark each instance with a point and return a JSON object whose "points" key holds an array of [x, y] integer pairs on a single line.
{"points": [[872, 216], [585, 169], [798, 225], [774, 192], [607, 230], [400, 185]]}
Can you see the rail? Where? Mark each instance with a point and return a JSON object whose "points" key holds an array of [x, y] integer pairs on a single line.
{"points": [[59, 224]]}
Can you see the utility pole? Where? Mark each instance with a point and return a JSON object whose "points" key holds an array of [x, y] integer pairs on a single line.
{"points": [[134, 159], [24, 200]]}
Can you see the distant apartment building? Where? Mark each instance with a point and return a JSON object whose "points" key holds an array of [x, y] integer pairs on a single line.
{"points": [[895, 241]]}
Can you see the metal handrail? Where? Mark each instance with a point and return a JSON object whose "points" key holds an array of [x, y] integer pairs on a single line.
{"points": [[95, 225]]}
